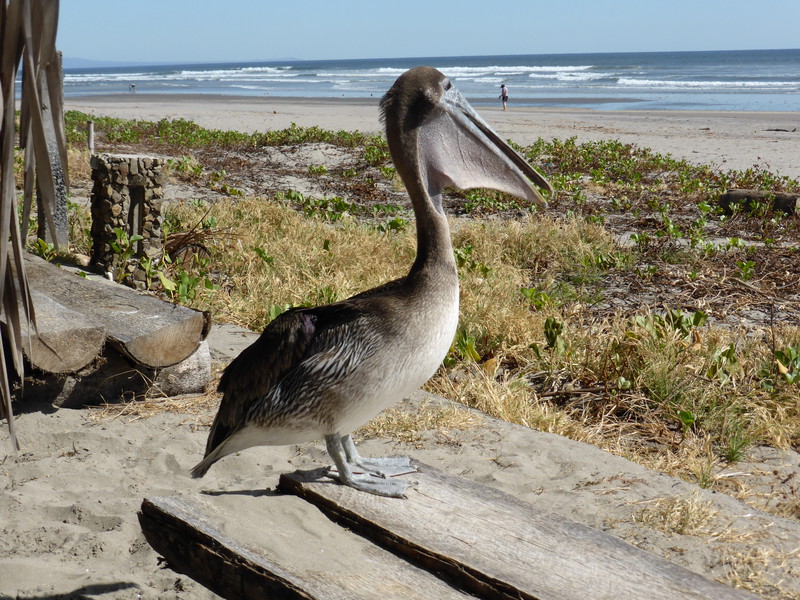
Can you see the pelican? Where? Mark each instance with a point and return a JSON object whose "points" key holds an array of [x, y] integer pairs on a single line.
{"points": [[322, 372]]}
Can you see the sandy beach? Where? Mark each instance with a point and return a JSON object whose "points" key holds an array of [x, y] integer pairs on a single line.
{"points": [[725, 140], [68, 524]]}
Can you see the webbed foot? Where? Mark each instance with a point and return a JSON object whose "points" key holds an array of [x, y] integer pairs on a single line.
{"points": [[370, 475], [384, 466]]}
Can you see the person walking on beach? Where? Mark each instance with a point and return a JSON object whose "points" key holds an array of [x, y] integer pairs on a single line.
{"points": [[503, 94]]}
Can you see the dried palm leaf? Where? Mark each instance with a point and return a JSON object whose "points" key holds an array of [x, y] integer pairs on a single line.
{"points": [[28, 34]]}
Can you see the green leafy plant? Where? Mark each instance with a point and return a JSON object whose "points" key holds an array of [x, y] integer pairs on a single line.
{"points": [[187, 166], [44, 249], [723, 364], [552, 335], [276, 310], [262, 254], [687, 419], [788, 363], [393, 224], [465, 260], [487, 201], [746, 269], [538, 298], [124, 248]]}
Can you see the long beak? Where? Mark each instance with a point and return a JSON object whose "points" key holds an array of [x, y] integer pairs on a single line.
{"points": [[459, 149]]}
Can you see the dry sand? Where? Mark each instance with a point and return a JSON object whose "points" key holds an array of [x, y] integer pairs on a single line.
{"points": [[68, 526], [727, 140]]}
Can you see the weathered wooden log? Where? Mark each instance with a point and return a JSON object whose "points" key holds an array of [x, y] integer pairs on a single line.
{"points": [[150, 331], [748, 199], [67, 341], [496, 546], [314, 561]]}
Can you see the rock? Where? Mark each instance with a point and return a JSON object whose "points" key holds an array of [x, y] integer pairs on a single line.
{"points": [[190, 376]]}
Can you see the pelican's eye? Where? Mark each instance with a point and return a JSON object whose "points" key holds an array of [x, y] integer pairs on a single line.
{"points": [[446, 85]]}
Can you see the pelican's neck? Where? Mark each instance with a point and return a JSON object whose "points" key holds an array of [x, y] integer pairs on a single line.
{"points": [[434, 247]]}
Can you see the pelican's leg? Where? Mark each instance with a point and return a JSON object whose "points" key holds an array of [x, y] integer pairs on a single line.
{"points": [[385, 466], [394, 488]]}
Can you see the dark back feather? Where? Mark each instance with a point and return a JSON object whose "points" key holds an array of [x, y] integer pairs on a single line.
{"points": [[285, 343]]}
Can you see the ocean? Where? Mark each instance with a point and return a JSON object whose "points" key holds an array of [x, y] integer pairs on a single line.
{"points": [[759, 80]]}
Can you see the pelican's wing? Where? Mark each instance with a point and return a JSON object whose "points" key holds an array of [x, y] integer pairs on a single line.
{"points": [[281, 346], [284, 344]]}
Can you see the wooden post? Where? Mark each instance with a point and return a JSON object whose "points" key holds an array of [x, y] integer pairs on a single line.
{"points": [[90, 136]]}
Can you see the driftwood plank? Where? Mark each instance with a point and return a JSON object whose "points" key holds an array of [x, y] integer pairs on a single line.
{"points": [[67, 341], [747, 199], [152, 332], [292, 551], [496, 546]]}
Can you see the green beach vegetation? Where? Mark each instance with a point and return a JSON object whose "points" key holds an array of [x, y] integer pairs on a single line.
{"points": [[634, 313]]}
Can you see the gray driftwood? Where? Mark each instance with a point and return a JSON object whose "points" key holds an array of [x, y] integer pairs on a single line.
{"points": [[496, 546], [179, 530], [151, 332], [67, 341], [779, 201]]}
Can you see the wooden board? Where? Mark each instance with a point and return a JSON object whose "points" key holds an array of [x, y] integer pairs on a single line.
{"points": [[746, 200], [496, 546], [292, 551], [67, 341], [152, 332]]}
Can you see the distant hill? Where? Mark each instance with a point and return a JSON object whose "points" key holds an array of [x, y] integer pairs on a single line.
{"points": [[86, 63], [70, 62]]}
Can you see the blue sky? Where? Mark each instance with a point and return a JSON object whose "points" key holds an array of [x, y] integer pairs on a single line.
{"points": [[253, 30]]}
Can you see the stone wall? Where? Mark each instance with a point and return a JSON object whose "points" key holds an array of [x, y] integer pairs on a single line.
{"points": [[127, 195]]}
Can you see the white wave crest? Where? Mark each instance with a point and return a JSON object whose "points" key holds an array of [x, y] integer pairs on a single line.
{"points": [[674, 84]]}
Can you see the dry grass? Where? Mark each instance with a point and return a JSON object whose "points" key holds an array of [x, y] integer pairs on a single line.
{"points": [[408, 426], [272, 257], [507, 399], [80, 171], [199, 408], [752, 568], [683, 516], [746, 554]]}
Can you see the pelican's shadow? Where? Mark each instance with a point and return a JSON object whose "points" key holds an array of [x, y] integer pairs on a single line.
{"points": [[318, 475]]}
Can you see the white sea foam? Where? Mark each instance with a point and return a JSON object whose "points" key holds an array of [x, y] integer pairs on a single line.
{"points": [[667, 83], [575, 76], [515, 70], [245, 73], [94, 77]]}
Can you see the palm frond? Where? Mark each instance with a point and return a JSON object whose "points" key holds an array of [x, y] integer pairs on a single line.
{"points": [[28, 34]]}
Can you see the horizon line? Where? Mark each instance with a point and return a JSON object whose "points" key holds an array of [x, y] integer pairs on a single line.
{"points": [[95, 64]]}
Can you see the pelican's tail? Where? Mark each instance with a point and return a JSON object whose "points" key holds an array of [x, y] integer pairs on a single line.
{"points": [[204, 465], [239, 440]]}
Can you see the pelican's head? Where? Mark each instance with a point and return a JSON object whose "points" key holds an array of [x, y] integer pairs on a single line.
{"points": [[437, 139]]}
